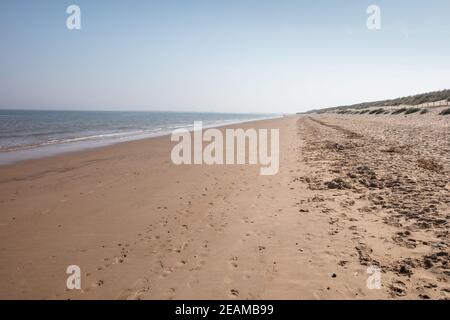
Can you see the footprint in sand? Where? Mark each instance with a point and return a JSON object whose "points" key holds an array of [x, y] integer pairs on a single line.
{"points": [[233, 262], [234, 293], [139, 288]]}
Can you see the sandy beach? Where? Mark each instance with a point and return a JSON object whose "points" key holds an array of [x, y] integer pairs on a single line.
{"points": [[352, 191]]}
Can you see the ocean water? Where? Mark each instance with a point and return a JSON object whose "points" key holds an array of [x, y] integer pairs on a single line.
{"points": [[28, 134]]}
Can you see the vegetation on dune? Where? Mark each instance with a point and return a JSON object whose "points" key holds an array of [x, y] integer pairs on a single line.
{"points": [[412, 110], [399, 111], [445, 112], [378, 111], [406, 111], [375, 111], [410, 100]]}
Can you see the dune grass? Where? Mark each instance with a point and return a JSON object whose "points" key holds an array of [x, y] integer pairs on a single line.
{"points": [[377, 111], [399, 111], [445, 112], [412, 110]]}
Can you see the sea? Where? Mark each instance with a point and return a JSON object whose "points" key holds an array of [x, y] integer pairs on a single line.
{"points": [[30, 134]]}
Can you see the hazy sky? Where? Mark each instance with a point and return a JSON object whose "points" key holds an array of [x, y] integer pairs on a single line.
{"points": [[228, 56]]}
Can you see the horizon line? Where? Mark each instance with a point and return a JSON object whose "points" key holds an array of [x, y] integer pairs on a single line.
{"points": [[131, 110]]}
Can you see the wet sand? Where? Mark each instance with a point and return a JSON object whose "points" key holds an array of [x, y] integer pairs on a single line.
{"points": [[352, 192]]}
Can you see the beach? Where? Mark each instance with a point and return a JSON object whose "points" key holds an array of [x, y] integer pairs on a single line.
{"points": [[353, 192]]}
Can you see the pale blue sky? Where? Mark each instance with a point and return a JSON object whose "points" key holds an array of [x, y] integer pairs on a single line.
{"points": [[221, 56]]}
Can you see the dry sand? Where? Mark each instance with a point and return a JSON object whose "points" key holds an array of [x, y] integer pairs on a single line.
{"points": [[352, 191]]}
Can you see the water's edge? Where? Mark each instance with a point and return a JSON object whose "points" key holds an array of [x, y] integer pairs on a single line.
{"points": [[39, 152]]}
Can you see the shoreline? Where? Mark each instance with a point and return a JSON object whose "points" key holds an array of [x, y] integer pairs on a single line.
{"points": [[45, 151]]}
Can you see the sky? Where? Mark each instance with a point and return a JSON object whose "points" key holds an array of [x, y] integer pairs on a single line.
{"points": [[219, 56]]}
